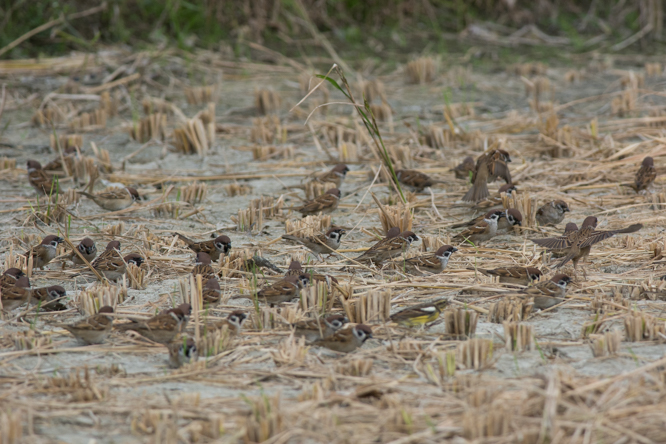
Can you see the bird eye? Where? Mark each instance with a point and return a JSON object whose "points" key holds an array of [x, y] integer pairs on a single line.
{"points": [[81, 247]]}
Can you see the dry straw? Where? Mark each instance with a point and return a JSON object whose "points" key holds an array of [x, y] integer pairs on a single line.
{"points": [[399, 215], [64, 142], [7, 164], [308, 226], [509, 309], [639, 326], [29, 340], [197, 135], [290, 352], [443, 368], [47, 117], [266, 101], [475, 353], [11, 426], [371, 307], [267, 130], [316, 298], [194, 193], [151, 127], [237, 189], [606, 344], [460, 323], [89, 301], [252, 218], [420, 71], [355, 367], [198, 95], [89, 120], [518, 337], [264, 420]]}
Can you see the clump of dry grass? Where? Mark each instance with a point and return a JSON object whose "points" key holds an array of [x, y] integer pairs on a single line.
{"points": [[214, 342], [399, 215], [518, 337], [197, 135], [526, 204], [382, 112], [401, 156], [266, 101], [89, 120], [77, 387], [475, 353], [290, 352], [47, 117], [266, 152], [252, 218], [485, 422], [151, 127], [316, 298], [371, 307], [460, 323], [267, 130], [355, 367], [237, 189], [194, 193], [29, 340], [169, 210], [653, 69], [198, 95], [11, 426], [265, 419], [606, 344], [136, 276], [156, 106], [7, 164], [529, 69], [66, 141], [99, 295], [308, 226], [443, 369], [348, 152], [510, 309], [420, 71], [639, 326]]}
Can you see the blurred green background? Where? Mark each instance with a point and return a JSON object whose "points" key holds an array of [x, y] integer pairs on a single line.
{"points": [[349, 24]]}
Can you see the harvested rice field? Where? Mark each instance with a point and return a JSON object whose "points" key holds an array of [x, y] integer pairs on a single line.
{"points": [[216, 147]]}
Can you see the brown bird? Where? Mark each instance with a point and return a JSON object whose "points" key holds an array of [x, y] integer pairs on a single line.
{"points": [[416, 180], [645, 175], [336, 176], [296, 269], [432, 263], [512, 218], [552, 213], [388, 248], [44, 253], [283, 290], [315, 329], [202, 266], [56, 164], [49, 298], [326, 203], [322, 243], [233, 322], [496, 200], [112, 265], [16, 295], [346, 340], [182, 351], [549, 293], [161, 328], [92, 330], [115, 199], [220, 246], [9, 278], [513, 275], [489, 167], [87, 249], [580, 242], [463, 170], [211, 292], [482, 231], [44, 184]]}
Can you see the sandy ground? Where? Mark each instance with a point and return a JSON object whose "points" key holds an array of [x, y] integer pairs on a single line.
{"points": [[137, 398]]}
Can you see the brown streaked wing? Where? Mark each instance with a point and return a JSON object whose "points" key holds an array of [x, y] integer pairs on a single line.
{"points": [[554, 243]]}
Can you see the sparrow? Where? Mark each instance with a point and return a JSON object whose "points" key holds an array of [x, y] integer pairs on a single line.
{"points": [[346, 340], [111, 265], [233, 322], [220, 246], [580, 242], [388, 248], [202, 266], [548, 293], [512, 218], [9, 278], [392, 232], [161, 328], [513, 275], [182, 351], [463, 170], [645, 175], [421, 314], [561, 252], [56, 164], [16, 295], [496, 200], [49, 298], [87, 249], [296, 269], [552, 213], [283, 290], [326, 203], [92, 330], [416, 180], [482, 231], [44, 253], [44, 184], [336, 176], [211, 292], [315, 329], [431, 263], [322, 243], [115, 199], [489, 167]]}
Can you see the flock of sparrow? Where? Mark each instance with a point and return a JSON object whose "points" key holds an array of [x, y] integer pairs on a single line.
{"points": [[169, 326]]}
